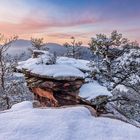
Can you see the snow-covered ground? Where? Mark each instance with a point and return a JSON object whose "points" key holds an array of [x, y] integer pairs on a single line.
{"points": [[92, 90], [22, 122]]}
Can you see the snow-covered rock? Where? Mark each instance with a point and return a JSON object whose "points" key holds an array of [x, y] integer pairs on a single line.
{"points": [[59, 72], [73, 123], [92, 90], [64, 69]]}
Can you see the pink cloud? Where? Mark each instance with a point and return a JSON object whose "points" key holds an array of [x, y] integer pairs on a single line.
{"points": [[133, 30], [30, 25], [45, 23], [39, 23]]}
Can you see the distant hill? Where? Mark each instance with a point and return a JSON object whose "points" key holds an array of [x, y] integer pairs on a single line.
{"points": [[56, 48], [21, 46]]}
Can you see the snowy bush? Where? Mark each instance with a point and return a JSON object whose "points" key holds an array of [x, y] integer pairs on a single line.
{"points": [[118, 60], [130, 107], [11, 89]]}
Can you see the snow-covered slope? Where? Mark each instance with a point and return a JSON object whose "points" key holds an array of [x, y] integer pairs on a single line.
{"points": [[22, 122]]}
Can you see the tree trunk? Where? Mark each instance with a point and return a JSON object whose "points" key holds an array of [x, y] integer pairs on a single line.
{"points": [[2, 72]]}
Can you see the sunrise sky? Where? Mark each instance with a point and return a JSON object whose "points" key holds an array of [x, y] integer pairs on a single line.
{"points": [[58, 20]]}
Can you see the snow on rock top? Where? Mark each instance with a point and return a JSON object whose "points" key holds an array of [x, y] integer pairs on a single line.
{"points": [[65, 68], [92, 90], [43, 58], [50, 71], [78, 63], [57, 71], [73, 123]]}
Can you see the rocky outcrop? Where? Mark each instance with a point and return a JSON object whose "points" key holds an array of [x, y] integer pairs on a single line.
{"points": [[52, 84], [55, 85], [52, 92]]}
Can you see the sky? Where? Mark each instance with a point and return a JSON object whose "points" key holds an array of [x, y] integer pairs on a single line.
{"points": [[58, 20]]}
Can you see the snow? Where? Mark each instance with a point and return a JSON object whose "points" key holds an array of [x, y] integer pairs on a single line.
{"points": [[78, 63], [31, 62], [42, 51], [108, 40], [127, 58], [50, 71], [28, 63], [64, 67], [56, 71], [45, 58], [99, 40], [73, 123], [22, 105], [20, 75], [92, 90], [122, 88]]}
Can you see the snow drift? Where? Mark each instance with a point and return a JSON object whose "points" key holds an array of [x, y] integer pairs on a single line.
{"points": [[74, 123]]}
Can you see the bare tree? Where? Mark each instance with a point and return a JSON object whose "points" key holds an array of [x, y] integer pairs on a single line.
{"points": [[73, 48], [37, 44], [5, 65]]}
